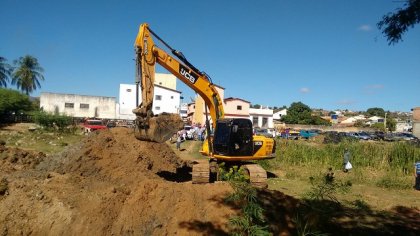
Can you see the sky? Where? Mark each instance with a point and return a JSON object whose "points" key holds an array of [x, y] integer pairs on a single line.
{"points": [[326, 54]]}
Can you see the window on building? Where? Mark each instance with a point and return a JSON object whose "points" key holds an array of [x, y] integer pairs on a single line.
{"points": [[158, 97], [172, 97], [84, 106], [264, 122], [69, 105], [128, 90], [254, 121], [239, 108], [157, 108]]}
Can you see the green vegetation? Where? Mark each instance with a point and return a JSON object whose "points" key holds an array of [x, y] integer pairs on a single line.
{"points": [[55, 122], [394, 25], [395, 157], [27, 74], [251, 221], [326, 187], [13, 102], [375, 111], [5, 71], [299, 113], [42, 140]]}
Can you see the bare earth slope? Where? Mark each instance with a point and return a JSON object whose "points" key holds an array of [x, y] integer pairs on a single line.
{"points": [[109, 183]]}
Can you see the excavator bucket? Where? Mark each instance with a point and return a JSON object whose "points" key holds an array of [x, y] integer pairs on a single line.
{"points": [[159, 128]]}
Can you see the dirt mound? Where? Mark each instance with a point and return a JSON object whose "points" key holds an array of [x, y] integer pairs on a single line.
{"points": [[109, 183], [12, 159]]}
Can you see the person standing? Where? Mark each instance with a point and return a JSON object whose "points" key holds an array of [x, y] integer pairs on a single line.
{"points": [[346, 161], [178, 141], [417, 175]]}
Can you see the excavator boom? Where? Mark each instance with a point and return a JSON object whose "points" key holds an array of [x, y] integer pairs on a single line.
{"points": [[159, 128]]}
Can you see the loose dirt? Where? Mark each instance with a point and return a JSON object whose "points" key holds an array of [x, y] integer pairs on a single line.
{"points": [[108, 184]]}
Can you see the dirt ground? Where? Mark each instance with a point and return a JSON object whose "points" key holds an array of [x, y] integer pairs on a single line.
{"points": [[110, 183]]}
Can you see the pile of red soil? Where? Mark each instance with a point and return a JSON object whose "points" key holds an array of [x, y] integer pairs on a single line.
{"points": [[12, 159], [108, 184]]}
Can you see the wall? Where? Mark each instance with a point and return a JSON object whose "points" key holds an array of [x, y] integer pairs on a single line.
{"points": [[166, 80], [231, 108], [83, 105], [279, 114], [199, 110], [127, 102], [258, 115], [169, 101]]}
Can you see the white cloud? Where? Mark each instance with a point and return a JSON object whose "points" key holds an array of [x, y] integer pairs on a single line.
{"points": [[374, 86], [365, 28], [346, 102], [304, 90]]}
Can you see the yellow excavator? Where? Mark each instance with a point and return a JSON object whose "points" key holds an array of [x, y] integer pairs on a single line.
{"points": [[230, 141]]}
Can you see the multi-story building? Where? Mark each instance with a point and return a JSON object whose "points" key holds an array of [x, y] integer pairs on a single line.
{"points": [[261, 117], [164, 100], [233, 108]]}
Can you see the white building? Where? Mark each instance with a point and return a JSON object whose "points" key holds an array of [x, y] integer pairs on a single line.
{"points": [[261, 117], [79, 105], [279, 114], [184, 111], [165, 100]]}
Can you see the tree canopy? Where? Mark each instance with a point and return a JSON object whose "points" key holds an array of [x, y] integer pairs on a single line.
{"points": [[13, 102], [27, 74], [394, 25], [375, 111], [299, 113], [5, 71]]}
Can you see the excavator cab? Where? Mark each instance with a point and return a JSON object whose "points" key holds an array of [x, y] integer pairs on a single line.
{"points": [[233, 137]]}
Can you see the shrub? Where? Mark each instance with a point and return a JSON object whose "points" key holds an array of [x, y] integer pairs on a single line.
{"points": [[52, 122], [251, 221]]}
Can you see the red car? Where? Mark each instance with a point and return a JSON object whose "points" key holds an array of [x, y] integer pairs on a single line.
{"points": [[92, 125]]}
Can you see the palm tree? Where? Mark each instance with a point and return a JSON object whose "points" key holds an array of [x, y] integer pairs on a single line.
{"points": [[5, 70], [27, 74]]}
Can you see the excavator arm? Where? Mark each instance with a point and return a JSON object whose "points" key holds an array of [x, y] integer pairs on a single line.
{"points": [[161, 127]]}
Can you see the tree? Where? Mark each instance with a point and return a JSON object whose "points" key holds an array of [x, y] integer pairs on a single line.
{"points": [[299, 113], [394, 25], [13, 102], [375, 111], [5, 71], [27, 74], [391, 123]]}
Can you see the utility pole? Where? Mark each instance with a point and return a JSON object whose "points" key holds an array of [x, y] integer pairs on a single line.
{"points": [[385, 123]]}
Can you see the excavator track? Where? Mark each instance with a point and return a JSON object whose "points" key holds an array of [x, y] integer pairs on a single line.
{"points": [[201, 172], [257, 175]]}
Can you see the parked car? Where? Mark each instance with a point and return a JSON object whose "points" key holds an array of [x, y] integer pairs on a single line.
{"points": [[306, 134], [392, 137], [378, 135], [91, 125], [111, 124], [263, 132], [407, 136], [189, 132], [360, 135]]}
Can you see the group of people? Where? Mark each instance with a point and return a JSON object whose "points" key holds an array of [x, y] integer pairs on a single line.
{"points": [[198, 132]]}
